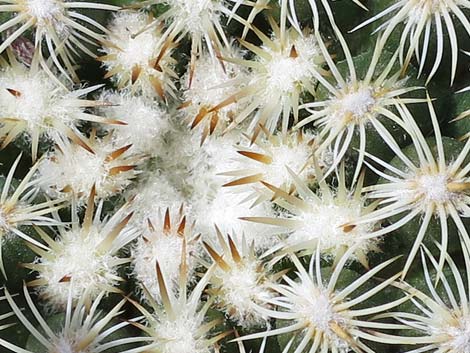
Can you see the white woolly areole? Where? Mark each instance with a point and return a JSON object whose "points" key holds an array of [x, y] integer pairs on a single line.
{"points": [[240, 289], [4, 222], [324, 224], [40, 103], [186, 170], [296, 157], [146, 122], [354, 105], [131, 49], [190, 177], [193, 15], [151, 196], [44, 10], [433, 188], [455, 329], [80, 169], [423, 8], [164, 249], [460, 337], [65, 345], [167, 249], [225, 209], [67, 342], [73, 166], [76, 257], [209, 86], [283, 72], [358, 103], [217, 155], [180, 335], [135, 49], [313, 305], [211, 203], [167, 184], [48, 13], [290, 151]]}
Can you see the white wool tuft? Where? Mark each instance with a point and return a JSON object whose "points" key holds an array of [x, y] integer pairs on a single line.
{"points": [[146, 122], [225, 208], [83, 258], [35, 104], [298, 158], [179, 335], [456, 330], [135, 49], [77, 257], [166, 248], [357, 102], [153, 195], [241, 289], [44, 10], [313, 306], [164, 184], [79, 168], [194, 14], [209, 87], [324, 224], [284, 72], [74, 167], [4, 222], [460, 337], [285, 151], [211, 203], [130, 47], [40, 101], [424, 8], [67, 342], [208, 75], [63, 345], [433, 188]]}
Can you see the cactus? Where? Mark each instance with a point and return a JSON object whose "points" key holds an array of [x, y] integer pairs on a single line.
{"points": [[232, 176]]}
